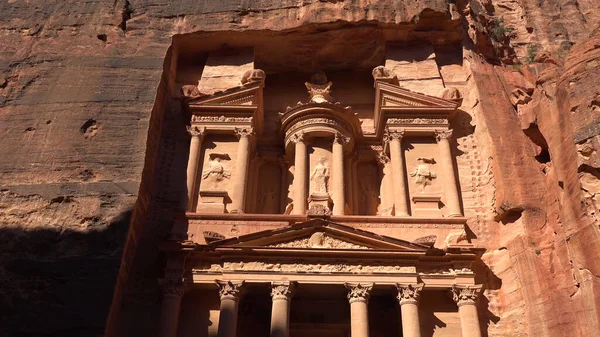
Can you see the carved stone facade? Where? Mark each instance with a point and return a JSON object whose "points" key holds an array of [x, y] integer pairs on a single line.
{"points": [[312, 200]]}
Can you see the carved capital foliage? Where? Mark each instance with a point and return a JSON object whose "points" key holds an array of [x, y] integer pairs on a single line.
{"points": [[409, 293], [443, 134], [297, 137], [196, 131], [382, 158], [229, 289], [340, 139], [359, 292], [171, 287], [465, 295], [282, 290], [244, 132], [393, 135]]}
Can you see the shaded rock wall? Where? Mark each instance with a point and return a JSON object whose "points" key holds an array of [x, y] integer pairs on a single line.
{"points": [[86, 114]]}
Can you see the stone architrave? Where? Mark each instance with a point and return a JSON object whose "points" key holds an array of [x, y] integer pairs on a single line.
{"points": [[358, 296], [466, 297], [447, 164], [229, 293], [197, 135], [241, 170], [300, 174], [281, 294], [408, 297], [171, 303], [398, 169]]}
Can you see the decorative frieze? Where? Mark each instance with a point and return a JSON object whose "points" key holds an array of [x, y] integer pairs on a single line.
{"points": [[314, 268], [409, 293], [418, 120], [359, 292], [466, 295], [319, 240], [221, 119]]}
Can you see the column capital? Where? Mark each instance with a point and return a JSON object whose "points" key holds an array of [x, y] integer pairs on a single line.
{"points": [[283, 290], [465, 294], [229, 290], [297, 138], [196, 131], [393, 135], [339, 138], [382, 158], [443, 134], [244, 132], [171, 287], [409, 293], [359, 292]]}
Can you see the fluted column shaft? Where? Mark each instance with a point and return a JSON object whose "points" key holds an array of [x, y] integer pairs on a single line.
{"points": [[447, 165], [241, 170], [197, 134], [358, 296], [230, 295], [300, 175], [339, 193], [169, 315], [281, 293], [408, 297], [466, 300], [398, 177]]}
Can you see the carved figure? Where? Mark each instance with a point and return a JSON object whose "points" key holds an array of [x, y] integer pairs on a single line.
{"points": [[320, 176], [253, 75], [368, 196], [423, 173], [381, 73], [455, 237], [215, 173]]}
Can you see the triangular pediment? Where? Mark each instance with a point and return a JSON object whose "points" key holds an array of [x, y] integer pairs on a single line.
{"points": [[320, 234], [391, 95], [246, 95]]}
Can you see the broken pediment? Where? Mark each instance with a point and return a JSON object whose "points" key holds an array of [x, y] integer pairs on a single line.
{"points": [[399, 106], [320, 234]]}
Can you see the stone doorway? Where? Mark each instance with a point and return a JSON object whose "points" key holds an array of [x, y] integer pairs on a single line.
{"points": [[320, 310]]}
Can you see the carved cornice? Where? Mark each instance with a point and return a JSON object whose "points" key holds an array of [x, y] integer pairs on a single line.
{"points": [[282, 290], [409, 293], [359, 292], [196, 131], [229, 290], [443, 135], [465, 295]]}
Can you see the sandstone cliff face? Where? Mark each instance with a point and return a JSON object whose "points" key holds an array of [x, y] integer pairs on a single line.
{"points": [[86, 114]]}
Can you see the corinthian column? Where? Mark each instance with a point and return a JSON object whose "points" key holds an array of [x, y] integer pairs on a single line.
{"points": [[229, 292], [466, 299], [197, 134], [241, 170], [400, 200], [169, 314], [358, 296], [447, 164], [339, 193], [300, 175], [282, 293], [408, 297]]}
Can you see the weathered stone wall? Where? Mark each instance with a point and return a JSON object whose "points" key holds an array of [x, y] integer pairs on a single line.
{"points": [[86, 114]]}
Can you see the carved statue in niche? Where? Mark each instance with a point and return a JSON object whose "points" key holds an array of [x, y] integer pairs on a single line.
{"points": [[424, 175], [215, 173], [368, 197], [319, 88], [319, 177]]}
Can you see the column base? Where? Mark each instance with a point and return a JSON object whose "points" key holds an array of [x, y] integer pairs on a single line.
{"points": [[212, 202]]}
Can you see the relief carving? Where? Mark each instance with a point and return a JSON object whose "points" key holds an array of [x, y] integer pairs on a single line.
{"points": [[417, 120], [455, 237], [196, 131], [315, 268], [382, 73], [229, 289], [319, 240], [221, 119], [423, 174], [409, 293], [319, 177], [359, 292], [282, 290], [215, 173], [319, 210], [465, 295], [252, 76]]}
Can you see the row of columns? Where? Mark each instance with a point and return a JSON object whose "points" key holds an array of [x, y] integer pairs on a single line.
{"points": [[300, 184], [446, 161], [358, 297], [240, 175]]}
